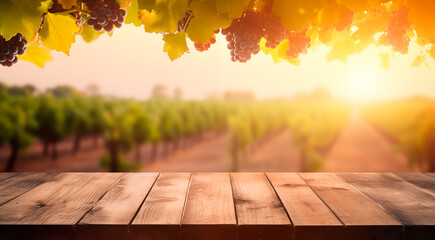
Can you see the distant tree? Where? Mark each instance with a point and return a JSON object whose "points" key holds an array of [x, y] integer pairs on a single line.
{"points": [[63, 91], [22, 90], [78, 119], [16, 126], [3, 87], [51, 122], [92, 90], [141, 127], [159, 92], [118, 132], [178, 93]]}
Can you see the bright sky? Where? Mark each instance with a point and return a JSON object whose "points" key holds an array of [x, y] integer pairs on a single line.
{"points": [[131, 62]]}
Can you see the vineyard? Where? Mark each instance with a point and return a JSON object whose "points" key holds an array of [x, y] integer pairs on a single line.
{"points": [[411, 123], [167, 125]]}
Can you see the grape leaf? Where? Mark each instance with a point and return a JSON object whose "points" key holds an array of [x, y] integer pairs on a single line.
{"points": [[21, 16], [233, 8], [68, 4], [133, 14], [355, 5], [146, 4], [207, 19], [385, 60], [420, 59], [58, 31], [341, 50], [370, 24], [421, 14], [124, 3], [297, 14], [165, 16], [175, 45], [330, 14], [37, 53], [432, 51], [279, 53]]}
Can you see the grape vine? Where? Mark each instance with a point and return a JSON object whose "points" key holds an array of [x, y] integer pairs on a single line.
{"points": [[397, 30], [282, 29]]}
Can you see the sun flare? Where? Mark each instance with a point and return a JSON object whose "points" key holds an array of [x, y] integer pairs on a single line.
{"points": [[363, 85]]}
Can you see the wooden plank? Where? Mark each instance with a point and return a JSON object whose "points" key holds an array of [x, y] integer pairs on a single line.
{"points": [[6, 175], [52, 209], [311, 217], [423, 181], [260, 213], [13, 187], [160, 215], [209, 211], [363, 218], [408, 203], [110, 217]]}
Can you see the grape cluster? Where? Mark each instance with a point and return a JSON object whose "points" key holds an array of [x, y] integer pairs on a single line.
{"points": [[397, 30], [346, 18], [298, 43], [9, 50], [105, 14], [205, 46], [183, 22], [275, 31], [244, 36]]}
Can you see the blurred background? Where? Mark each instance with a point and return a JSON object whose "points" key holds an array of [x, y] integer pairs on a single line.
{"points": [[113, 106], [64, 129]]}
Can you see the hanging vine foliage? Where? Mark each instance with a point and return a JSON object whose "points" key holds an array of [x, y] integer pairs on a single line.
{"points": [[284, 29]]}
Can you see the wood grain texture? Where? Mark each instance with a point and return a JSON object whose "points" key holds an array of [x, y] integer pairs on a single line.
{"points": [[354, 209], [423, 181], [311, 217], [18, 184], [56, 205], [406, 202], [260, 213], [209, 211], [6, 175], [160, 215], [111, 215]]}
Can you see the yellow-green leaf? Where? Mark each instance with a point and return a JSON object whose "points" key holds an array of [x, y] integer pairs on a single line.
{"points": [[233, 8], [124, 3], [341, 50], [297, 14], [146, 4], [206, 20], [385, 60], [355, 5], [21, 16], [175, 45], [165, 16], [58, 31], [37, 54], [68, 4], [133, 14]]}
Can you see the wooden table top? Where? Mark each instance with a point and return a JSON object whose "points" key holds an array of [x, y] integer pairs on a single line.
{"points": [[216, 206]]}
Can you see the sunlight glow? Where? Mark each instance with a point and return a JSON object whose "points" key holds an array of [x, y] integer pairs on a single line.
{"points": [[363, 85]]}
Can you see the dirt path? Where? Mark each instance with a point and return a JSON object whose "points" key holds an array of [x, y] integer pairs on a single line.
{"points": [[85, 160], [360, 147], [276, 155], [208, 156]]}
